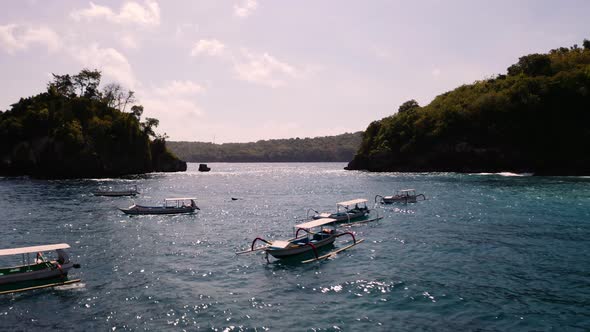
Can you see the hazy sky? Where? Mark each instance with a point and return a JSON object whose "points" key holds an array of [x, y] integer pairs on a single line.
{"points": [[244, 70]]}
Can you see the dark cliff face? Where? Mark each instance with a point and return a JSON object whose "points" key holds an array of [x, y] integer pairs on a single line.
{"points": [[48, 158], [533, 120], [163, 160]]}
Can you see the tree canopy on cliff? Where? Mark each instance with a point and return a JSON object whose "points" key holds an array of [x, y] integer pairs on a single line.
{"points": [[76, 130], [319, 149], [536, 118]]}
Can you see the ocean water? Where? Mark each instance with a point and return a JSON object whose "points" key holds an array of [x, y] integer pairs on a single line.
{"points": [[484, 252]]}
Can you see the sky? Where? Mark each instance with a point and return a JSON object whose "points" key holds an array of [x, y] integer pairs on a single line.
{"points": [[244, 70]]}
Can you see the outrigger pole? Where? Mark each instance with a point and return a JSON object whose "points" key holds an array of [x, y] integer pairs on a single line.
{"points": [[354, 223], [333, 253], [18, 290]]}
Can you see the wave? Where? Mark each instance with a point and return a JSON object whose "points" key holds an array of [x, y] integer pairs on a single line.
{"points": [[505, 174]]}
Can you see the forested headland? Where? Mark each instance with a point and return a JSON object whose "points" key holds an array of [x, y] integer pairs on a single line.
{"points": [[535, 118], [340, 148], [77, 129]]}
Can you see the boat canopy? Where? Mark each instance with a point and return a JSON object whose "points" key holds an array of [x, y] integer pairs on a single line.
{"points": [[352, 202], [316, 223], [180, 199], [406, 190], [26, 250], [280, 244]]}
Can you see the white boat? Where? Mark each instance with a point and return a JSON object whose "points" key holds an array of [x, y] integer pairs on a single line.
{"points": [[401, 196], [116, 193], [38, 267], [346, 211], [170, 206], [316, 234]]}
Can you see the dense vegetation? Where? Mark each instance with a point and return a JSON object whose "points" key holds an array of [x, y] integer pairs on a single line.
{"points": [[76, 129], [536, 118], [329, 148]]}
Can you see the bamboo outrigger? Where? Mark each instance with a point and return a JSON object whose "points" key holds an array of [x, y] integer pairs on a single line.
{"points": [[318, 233]]}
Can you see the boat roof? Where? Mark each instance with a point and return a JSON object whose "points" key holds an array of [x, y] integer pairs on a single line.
{"points": [[406, 190], [354, 201], [180, 199], [279, 244], [316, 223], [26, 250]]}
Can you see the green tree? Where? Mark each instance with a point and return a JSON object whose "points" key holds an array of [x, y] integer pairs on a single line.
{"points": [[118, 97], [62, 85], [408, 105], [532, 65], [148, 126], [87, 82], [533, 120], [63, 134], [137, 111]]}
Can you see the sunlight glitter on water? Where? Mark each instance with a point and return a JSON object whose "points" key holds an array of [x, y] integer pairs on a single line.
{"points": [[448, 263]]}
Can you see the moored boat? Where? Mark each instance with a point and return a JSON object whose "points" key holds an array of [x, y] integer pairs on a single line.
{"points": [[346, 211], [38, 267], [401, 196], [116, 193], [170, 206], [316, 234]]}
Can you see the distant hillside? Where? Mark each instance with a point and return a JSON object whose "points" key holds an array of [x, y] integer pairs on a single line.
{"points": [[320, 149], [536, 118], [75, 130]]}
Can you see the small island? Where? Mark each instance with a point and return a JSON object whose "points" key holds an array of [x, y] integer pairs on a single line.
{"points": [[533, 119], [77, 130]]}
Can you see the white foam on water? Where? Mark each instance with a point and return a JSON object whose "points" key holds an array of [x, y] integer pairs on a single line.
{"points": [[505, 174]]}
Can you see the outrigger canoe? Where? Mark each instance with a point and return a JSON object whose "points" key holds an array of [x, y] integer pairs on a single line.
{"points": [[116, 193], [347, 211], [171, 206], [402, 196], [317, 234], [36, 268]]}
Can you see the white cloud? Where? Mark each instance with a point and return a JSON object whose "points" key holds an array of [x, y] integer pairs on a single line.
{"points": [[179, 88], [14, 38], [174, 105], [245, 8], [259, 68], [382, 52], [186, 29], [129, 42], [175, 109], [263, 69], [109, 61], [211, 47], [179, 116], [130, 13]]}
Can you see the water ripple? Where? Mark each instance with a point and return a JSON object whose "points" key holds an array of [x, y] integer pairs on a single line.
{"points": [[483, 252]]}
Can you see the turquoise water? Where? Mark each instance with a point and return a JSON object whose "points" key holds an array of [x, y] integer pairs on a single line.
{"points": [[483, 252]]}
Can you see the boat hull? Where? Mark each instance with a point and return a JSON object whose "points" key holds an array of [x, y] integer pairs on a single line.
{"points": [[299, 249], [137, 210], [40, 274], [343, 216], [397, 199], [114, 193]]}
